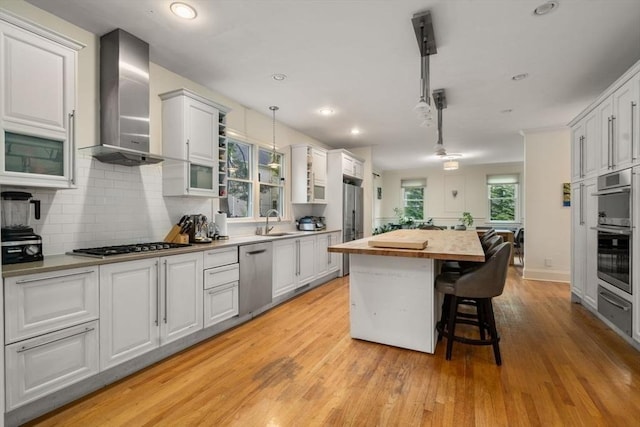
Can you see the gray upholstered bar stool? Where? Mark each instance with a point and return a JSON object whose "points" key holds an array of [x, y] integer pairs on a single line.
{"points": [[477, 287], [465, 266]]}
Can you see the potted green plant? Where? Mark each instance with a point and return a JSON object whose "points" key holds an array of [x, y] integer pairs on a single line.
{"points": [[466, 220], [404, 221]]}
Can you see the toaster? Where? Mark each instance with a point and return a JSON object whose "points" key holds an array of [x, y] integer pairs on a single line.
{"points": [[310, 223]]}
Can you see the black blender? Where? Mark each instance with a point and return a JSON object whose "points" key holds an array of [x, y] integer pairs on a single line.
{"points": [[19, 242]]}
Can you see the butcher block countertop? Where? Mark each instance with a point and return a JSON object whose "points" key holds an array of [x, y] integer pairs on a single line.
{"points": [[441, 244]]}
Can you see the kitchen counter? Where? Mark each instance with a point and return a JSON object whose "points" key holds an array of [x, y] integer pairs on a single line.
{"points": [[442, 244], [391, 291], [64, 262]]}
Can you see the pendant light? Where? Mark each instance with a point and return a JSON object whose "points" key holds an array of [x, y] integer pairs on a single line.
{"points": [[426, 43], [274, 164]]}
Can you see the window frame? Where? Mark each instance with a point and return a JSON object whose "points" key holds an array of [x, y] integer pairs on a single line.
{"points": [[506, 179], [254, 181], [411, 184]]}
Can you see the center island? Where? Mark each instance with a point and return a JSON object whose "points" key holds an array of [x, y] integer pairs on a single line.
{"points": [[391, 289]]}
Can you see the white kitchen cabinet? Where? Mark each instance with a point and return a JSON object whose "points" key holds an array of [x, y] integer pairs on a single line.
{"points": [[335, 258], [604, 112], [193, 128], [352, 166], [42, 365], [181, 296], [635, 254], [40, 303], [147, 303], [221, 293], [584, 281], [294, 263], [585, 148], [326, 262], [309, 174], [37, 111]]}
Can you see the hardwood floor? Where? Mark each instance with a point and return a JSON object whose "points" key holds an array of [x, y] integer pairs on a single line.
{"points": [[296, 366]]}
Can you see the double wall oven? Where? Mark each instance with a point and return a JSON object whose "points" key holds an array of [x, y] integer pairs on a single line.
{"points": [[615, 237]]}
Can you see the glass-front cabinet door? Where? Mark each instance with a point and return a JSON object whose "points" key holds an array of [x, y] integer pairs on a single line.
{"points": [[201, 177], [38, 75]]}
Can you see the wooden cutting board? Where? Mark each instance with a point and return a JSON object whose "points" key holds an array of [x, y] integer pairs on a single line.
{"points": [[401, 239]]}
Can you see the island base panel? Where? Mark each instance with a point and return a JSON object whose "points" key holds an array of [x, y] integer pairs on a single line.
{"points": [[392, 301]]}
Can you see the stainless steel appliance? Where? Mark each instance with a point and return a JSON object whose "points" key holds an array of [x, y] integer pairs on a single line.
{"points": [[311, 223], [19, 242], [106, 251], [617, 310], [352, 217], [255, 287], [615, 229]]}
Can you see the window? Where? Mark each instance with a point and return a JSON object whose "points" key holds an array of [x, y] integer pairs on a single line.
{"points": [[240, 185], [503, 198], [413, 197], [253, 186], [271, 182]]}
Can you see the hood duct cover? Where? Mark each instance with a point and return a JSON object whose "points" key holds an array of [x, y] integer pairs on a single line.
{"points": [[124, 101]]}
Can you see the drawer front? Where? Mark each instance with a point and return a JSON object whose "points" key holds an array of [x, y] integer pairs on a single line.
{"points": [[46, 302], [220, 303], [42, 365], [221, 275], [218, 257], [615, 309]]}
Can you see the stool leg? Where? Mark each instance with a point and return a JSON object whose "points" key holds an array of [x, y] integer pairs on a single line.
{"points": [[493, 331], [444, 316], [451, 327], [480, 309]]}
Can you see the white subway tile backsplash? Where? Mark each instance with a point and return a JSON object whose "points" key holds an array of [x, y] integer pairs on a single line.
{"points": [[112, 205]]}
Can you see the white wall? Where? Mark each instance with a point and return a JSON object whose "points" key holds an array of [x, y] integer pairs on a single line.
{"points": [[116, 204], [470, 182], [548, 223]]}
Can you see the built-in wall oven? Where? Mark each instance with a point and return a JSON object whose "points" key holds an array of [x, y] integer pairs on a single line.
{"points": [[615, 229]]}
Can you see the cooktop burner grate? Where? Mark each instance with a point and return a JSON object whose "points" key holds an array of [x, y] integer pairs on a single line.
{"points": [[105, 251]]}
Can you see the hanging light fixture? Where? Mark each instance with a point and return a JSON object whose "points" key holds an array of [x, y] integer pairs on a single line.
{"points": [[450, 165], [427, 45], [274, 163], [440, 101]]}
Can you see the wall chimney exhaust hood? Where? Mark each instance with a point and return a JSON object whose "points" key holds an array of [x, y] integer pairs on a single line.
{"points": [[124, 101]]}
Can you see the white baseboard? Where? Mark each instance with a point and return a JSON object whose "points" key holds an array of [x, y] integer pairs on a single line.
{"points": [[546, 275]]}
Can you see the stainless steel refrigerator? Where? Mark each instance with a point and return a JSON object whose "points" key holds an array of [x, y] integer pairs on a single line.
{"points": [[352, 217]]}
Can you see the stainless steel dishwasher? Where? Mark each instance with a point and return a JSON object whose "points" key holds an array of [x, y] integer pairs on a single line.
{"points": [[255, 288]]}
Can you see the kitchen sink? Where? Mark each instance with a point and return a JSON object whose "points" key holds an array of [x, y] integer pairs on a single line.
{"points": [[280, 234]]}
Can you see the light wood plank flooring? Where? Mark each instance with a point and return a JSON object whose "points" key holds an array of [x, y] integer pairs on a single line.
{"points": [[297, 366]]}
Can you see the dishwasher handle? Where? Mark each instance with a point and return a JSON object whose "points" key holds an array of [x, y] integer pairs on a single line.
{"points": [[255, 252]]}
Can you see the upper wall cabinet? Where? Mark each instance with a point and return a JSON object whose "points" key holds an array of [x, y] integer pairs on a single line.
{"points": [[606, 133], [193, 129], [309, 173], [37, 111], [585, 148]]}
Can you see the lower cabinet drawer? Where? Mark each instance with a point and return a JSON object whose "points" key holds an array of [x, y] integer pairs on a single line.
{"points": [[220, 303], [221, 275], [40, 303], [42, 365], [218, 257]]}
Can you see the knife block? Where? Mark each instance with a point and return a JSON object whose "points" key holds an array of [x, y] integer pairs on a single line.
{"points": [[174, 236]]}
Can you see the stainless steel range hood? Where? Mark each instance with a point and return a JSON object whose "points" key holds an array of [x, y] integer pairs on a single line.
{"points": [[124, 101]]}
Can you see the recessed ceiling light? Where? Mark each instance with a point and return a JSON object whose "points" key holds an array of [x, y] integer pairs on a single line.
{"points": [[279, 77], [183, 10], [355, 131], [326, 111], [518, 77], [545, 8]]}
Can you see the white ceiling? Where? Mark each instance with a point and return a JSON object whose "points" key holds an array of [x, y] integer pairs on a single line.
{"points": [[361, 58]]}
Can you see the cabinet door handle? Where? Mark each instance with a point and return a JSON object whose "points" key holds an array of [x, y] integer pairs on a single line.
{"points": [[166, 295], [23, 348], [80, 273], [581, 204], [582, 157], [72, 146], [188, 166], [157, 293], [633, 154]]}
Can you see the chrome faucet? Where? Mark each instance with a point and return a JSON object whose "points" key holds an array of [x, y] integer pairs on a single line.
{"points": [[267, 229]]}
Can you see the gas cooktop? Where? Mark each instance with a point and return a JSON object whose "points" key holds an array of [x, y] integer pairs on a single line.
{"points": [[106, 251]]}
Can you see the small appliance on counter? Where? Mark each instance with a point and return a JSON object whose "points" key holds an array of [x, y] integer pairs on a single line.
{"points": [[19, 242], [311, 223], [199, 231]]}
